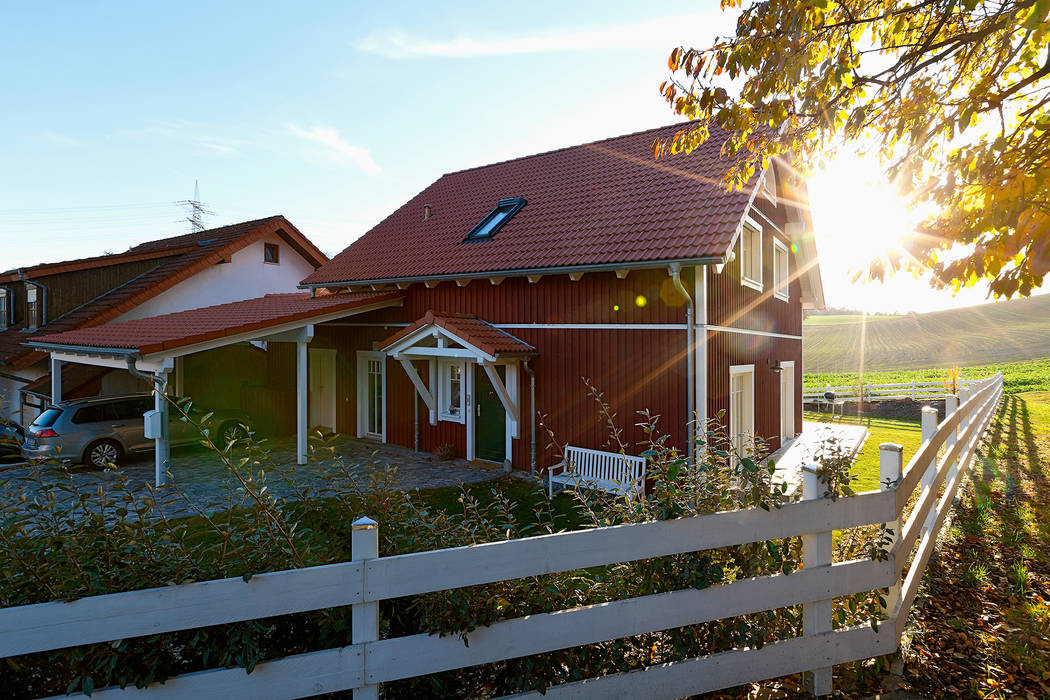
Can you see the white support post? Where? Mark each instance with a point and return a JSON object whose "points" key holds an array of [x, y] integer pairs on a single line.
{"points": [[817, 616], [364, 617], [162, 444], [929, 429], [891, 468], [56, 381], [302, 389]]}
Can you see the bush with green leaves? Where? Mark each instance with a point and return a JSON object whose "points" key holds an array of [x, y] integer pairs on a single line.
{"points": [[62, 541]]}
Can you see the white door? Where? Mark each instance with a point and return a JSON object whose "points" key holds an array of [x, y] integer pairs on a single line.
{"points": [[742, 408], [371, 395], [787, 401], [322, 388]]}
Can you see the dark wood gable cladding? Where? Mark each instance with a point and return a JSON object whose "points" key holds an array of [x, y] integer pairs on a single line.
{"points": [[68, 290]]}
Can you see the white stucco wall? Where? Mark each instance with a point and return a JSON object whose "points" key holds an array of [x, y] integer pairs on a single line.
{"points": [[10, 398], [246, 276]]}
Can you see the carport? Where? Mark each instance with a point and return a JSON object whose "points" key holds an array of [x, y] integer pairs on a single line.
{"points": [[149, 347]]}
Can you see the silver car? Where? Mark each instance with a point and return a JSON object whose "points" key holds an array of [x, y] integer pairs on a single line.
{"points": [[100, 431]]}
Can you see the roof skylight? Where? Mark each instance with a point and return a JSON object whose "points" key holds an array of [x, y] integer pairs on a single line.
{"points": [[496, 219]]}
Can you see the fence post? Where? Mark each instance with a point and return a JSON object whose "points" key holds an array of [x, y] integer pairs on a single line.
{"points": [[912, 389], [816, 551], [364, 617], [929, 429], [891, 467]]}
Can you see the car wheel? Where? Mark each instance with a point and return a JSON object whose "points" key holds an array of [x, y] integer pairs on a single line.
{"points": [[231, 431], [102, 453]]}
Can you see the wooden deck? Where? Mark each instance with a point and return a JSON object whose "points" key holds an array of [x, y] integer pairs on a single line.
{"points": [[806, 448]]}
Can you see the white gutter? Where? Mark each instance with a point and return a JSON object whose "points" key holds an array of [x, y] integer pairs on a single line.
{"points": [[675, 270]]}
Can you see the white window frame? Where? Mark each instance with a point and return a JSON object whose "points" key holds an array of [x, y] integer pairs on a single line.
{"points": [[364, 357], [32, 308], [745, 278], [742, 449], [445, 390], [787, 403], [5, 313], [781, 278]]}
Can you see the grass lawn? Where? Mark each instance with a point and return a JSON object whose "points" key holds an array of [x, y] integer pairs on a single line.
{"points": [[981, 624], [866, 467]]}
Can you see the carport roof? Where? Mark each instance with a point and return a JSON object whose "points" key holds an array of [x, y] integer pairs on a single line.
{"points": [[176, 330]]}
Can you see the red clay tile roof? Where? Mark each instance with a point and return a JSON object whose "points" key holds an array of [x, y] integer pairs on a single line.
{"points": [[168, 331], [178, 258], [481, 334], [600, 203]]}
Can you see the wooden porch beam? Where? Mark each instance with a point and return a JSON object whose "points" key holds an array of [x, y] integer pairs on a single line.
{"points": [[417, 382]]}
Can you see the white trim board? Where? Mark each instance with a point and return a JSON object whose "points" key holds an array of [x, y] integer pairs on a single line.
{"points": [[605, 327]]}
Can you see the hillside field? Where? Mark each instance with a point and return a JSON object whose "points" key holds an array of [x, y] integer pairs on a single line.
{"points": [[1008, 331]]}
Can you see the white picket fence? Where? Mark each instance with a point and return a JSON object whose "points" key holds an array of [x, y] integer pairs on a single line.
{"points": [[368, 580], [918, 391]]}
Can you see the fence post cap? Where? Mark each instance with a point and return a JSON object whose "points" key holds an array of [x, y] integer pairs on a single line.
{"points": [[929, 409], [365, 523], [891, 447]]}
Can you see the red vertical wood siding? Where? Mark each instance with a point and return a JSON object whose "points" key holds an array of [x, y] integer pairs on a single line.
{"points": [[731, 304], [635, 369]]}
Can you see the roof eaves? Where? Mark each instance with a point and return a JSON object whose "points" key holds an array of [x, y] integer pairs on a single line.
{"points": [[522, 272]]}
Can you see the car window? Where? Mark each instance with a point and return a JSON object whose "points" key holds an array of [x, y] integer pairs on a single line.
{"points": [[129, 409], [47, 418], [95, 413]]}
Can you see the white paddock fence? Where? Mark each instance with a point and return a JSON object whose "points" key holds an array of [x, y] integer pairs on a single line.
{"points": [[936, 469], [918, 391]]}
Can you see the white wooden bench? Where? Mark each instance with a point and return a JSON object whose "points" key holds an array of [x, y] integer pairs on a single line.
{"points": [[607, 471]]}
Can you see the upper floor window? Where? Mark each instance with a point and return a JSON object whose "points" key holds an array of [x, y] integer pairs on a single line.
{"points": [[32, 308], [780, 270], [451, 392], [5, 313], [751, 256], [497, 218], [271, 253]]}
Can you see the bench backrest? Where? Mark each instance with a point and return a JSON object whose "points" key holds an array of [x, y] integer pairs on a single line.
{"points": [[605, 466]]}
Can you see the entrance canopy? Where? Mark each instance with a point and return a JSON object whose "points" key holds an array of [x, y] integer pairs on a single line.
{"points": [[152, 345], [445, 336]]}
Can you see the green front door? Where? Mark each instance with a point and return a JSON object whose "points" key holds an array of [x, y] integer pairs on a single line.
{"points": [[490, 418]]}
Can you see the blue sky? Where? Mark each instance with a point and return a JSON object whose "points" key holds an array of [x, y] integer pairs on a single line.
{"points": [[331, 114]]}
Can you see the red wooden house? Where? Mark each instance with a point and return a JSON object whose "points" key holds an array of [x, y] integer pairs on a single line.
{"points": [[524, 278], [491, 297]]}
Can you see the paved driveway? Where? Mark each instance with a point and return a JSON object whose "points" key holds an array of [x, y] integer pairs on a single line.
{"points": [[201, 479]]}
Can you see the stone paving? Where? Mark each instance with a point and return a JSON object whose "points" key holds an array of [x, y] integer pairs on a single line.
{"points": [[814, 438], [201, 478]]}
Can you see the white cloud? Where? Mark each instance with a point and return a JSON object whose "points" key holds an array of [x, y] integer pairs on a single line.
{"points": [[661, 32], [339, 148]]}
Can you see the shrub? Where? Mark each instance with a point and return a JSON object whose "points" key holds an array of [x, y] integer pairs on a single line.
{"points": [[61, 542]]}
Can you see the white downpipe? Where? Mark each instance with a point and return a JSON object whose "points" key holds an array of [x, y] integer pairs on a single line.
{"points": [[162, 444], [675, 270], [302, 389]]}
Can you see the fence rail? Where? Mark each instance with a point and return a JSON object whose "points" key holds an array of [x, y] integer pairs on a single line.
{"points": [[885, 392], [368, 579]]}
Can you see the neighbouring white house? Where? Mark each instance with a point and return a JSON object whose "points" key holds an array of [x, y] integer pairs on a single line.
{"points": [[216, 266]]}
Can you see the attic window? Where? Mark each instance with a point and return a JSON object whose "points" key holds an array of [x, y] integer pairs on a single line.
{"points": [[272, 253], [497, 218]]}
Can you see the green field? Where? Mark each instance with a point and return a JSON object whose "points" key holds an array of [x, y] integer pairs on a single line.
{"points": [[1018, 377], [839, 319], [1008, 331]]}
